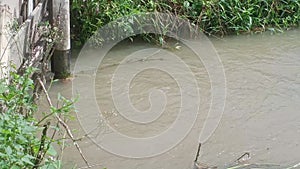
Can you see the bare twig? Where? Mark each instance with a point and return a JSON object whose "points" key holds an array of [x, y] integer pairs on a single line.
{"points": [[63, 145], [198, 152], [243, 157], [42, 149], [64, 124]]}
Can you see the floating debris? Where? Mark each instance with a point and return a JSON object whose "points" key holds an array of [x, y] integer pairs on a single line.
{"points": [[243, 158], [241, 163]]}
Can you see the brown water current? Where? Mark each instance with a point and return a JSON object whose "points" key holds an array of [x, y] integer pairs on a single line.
{"points": [[261, 115]]}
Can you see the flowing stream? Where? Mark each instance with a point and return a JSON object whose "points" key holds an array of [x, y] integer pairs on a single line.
{"points": [[261, 115]]}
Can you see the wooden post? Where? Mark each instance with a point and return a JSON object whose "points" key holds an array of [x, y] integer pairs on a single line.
{"points": [[5, 20], [60, 63], [30, 6]]}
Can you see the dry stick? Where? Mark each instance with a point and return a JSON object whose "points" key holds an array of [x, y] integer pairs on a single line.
{"points": [[63, 124], [52, 137], [42, 152], [242, 156], [63, 146], [198, 152]]}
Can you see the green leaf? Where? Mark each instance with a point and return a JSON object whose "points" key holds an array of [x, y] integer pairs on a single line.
{"points": [[8, 150], [26, 159], [51, 151], [186, 4], [2, 87], [15, 167]]}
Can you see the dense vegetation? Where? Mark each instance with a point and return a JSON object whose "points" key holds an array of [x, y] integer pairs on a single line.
{"points": [[218, 17], [27, 141]]}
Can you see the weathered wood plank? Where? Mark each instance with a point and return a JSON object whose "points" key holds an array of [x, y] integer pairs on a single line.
{"points": [[60, 63], [26, 46], [5, 18]]}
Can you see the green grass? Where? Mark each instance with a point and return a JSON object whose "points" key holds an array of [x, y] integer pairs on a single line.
{"points": [[214, 17]]}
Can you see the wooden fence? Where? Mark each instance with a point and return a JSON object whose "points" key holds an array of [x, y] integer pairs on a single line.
{"points": [[26, 7], [19, 33], [20, 40]]}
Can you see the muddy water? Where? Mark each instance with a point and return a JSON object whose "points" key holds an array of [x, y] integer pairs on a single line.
{"points": [[261, 115]]}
